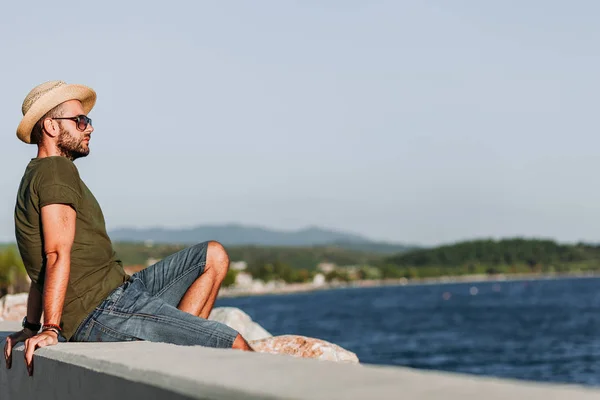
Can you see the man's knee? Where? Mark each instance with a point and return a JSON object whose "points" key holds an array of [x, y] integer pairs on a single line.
{"points": [[217, 257]]}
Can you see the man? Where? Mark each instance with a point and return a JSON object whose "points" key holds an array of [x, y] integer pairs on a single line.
{"points": [[76, 279]]}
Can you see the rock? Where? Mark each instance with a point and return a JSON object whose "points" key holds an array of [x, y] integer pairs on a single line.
{"points": [[301, 346], [13, 307], [263, 342], [240, 321]]}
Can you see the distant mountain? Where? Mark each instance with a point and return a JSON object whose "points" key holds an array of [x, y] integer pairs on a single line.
{"points": [[237, 235]]}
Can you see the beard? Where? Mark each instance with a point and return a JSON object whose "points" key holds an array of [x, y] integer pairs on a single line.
{"points": [[70, 146]]}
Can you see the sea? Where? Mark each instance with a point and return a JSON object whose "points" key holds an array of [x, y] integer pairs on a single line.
{"points": [[537, 330]]}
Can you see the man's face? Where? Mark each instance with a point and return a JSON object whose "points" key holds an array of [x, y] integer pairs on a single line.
{"points": [[73, 143]]}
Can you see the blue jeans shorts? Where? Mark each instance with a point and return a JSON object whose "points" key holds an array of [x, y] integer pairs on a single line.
{"points": [[145, 307]]}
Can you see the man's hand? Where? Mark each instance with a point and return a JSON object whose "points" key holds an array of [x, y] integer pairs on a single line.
{"points": [[12, 340], [45, 338]]}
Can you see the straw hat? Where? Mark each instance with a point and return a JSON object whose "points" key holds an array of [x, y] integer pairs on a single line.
{"points": [[45, 97]]}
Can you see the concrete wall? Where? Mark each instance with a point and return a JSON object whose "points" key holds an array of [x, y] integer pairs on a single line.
{"points": [[161, 371]]}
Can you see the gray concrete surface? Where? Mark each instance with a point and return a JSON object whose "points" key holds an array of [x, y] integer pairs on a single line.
{"points": [[163, 371]]}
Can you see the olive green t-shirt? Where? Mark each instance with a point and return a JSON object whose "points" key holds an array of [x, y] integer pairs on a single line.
{"points": [[95, 269]]}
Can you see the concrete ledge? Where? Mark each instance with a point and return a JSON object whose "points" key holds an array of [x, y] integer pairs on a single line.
{"points": [[159, 371]]}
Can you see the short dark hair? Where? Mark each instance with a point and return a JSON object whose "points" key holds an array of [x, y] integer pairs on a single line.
{"points": [[38, 129]]}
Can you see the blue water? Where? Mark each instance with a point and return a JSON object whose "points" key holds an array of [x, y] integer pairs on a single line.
{"points": [[543, 330]]}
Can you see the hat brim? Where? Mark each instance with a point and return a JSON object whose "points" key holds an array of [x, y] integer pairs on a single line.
{"points": [[48, 101]]}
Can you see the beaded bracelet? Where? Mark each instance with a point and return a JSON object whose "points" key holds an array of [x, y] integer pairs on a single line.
{"points": [[51, 329], [54, 327]]}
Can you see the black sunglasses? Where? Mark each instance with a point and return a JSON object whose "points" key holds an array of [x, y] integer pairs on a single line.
{"points": [[81, 121]]}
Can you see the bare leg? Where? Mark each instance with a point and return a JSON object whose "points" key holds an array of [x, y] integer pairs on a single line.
{"points": [[200, 297], [240, 344]]}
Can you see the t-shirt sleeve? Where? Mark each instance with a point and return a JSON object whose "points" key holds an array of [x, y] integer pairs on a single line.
{"points": [[60, 184]]}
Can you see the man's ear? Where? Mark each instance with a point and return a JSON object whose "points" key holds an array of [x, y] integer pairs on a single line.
{"points": [[51, 127]]}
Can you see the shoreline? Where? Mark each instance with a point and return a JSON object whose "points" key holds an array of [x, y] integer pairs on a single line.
{"points": [[310, 287]]}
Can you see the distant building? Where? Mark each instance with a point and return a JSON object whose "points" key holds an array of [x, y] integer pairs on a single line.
{"points": [[319, 279], [238, 265], [257, 286], [243, 279], [326, 267]]}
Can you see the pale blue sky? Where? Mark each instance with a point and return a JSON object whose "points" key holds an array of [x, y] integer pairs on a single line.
{"points": [[424, 122]]}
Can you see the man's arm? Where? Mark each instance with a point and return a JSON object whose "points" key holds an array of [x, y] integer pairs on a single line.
{"points": [[34, 305], [58, 228]]}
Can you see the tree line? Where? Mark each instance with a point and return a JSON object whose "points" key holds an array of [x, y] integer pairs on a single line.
{"points": [[299, 264], [501, 252]]}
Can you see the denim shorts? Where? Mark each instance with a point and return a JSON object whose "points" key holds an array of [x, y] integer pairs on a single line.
{"points": [[145, 307]]}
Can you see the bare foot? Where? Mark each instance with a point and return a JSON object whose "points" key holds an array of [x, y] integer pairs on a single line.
{"points": [[240, 344]]}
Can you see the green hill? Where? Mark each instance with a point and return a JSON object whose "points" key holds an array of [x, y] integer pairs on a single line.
{"points": [[507, 255]]}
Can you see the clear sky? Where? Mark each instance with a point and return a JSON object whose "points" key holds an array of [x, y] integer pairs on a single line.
{"points": [[410, 121]]}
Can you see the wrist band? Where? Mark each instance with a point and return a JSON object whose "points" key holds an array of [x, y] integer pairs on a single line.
{"points": [[46, 326], [51, 329]]}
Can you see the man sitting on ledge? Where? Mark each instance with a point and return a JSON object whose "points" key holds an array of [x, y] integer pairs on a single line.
{"points": [[76, 278]]}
